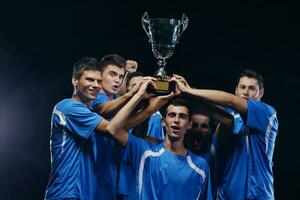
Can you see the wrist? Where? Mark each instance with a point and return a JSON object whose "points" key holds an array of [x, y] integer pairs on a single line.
{"points": [[128, 94]]}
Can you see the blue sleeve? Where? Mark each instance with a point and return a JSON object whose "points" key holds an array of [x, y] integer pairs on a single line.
{"points": [[78, 119], [134, 150], [155, 128], [238, 123], [101, 98], [260, 116]]}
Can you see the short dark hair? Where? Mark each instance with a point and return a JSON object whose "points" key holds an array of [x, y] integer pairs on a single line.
{"points": [[87, 63], [112, 59], [251, 74], [132, 75], [177, 102], [203, 111]]}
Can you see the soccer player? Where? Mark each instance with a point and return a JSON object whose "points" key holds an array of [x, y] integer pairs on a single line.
{"points": [[247, 171], [73, 130], [107, 103], [72, 139], [167, 170], [151, 130]]}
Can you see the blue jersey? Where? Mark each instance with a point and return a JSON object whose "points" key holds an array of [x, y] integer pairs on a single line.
{"points": [[161, 174], [126, 175], [73, 151], [107, 159], [155, 127], [209, 155], [248, 169]]}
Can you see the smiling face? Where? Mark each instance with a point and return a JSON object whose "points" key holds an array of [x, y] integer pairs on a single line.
{"points": [[112, 77], [176, 122], [248, 88], [87, 86]]}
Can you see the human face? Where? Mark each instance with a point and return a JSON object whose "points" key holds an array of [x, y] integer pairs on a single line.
{"points": [[248, 88], [112, 77], [87, 86], [201, 127], [133, 82], [176, 121]]}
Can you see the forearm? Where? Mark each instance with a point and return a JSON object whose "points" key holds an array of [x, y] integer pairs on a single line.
{"points": [[137, 118], [220, 98], [110, 108], [117, 126], [220, 114]]}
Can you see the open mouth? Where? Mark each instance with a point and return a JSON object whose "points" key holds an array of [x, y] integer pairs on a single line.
{"points": [[115, 87], [175, 129]]}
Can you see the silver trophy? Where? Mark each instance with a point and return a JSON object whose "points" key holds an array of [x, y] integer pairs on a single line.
{"points": [[163, 34]]}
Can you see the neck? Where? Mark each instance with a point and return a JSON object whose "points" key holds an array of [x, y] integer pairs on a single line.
{"points": [[77, 98], [175, 146], [109, 95]]}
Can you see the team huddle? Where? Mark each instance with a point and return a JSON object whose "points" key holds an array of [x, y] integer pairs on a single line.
{"points": [[113, 139]]}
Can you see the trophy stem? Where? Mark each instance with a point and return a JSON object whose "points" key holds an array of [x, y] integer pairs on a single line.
{"points": [[162, 62], [161, 74]]}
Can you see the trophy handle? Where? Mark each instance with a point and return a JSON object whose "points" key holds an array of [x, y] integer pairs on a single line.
{"points": [[146, 24], [183, 25]]}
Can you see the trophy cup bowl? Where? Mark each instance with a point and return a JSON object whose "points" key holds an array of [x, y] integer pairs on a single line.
{"points": [[163, 34]]}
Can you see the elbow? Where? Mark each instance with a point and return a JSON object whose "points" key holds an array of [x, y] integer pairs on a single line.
{"points": [[111, 129]]}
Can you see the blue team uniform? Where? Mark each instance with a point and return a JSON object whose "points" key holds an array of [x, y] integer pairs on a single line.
{"points": [[126, 175], [107, 159], [209, 155], [73, 151], [247, 170], [161, 174]]}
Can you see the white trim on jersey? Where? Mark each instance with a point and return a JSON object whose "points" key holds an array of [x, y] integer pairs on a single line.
{"points": [[267, 135], [198, 170], [63, 141], [63, 122], [146, 154], [212, 149], [62, 118], [236, 115], [194, 167]]}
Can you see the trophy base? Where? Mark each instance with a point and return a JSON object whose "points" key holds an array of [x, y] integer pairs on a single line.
{"points": [[162, 88]]}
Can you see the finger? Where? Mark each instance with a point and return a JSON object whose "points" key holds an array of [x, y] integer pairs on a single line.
{"points": [[149, 78]]}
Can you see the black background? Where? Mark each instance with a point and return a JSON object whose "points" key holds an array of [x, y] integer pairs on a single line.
{"points": [[40, 41]]}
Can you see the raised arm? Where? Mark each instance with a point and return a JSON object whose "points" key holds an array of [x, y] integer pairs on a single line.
{"points": [[213, 96], [117, 127], [110, 108]]}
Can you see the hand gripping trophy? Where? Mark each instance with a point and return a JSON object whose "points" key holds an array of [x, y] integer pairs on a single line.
{"points": [[163, 34]]}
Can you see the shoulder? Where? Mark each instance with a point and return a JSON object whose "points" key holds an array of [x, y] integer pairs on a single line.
{"points": [[136, 141], [70, 106], [197, 160], [261, 106]]}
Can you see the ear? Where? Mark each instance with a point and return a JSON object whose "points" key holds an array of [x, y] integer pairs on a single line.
{"points": [[190, 125], [235, 90], [100, 75], [74, 81], [261, 92], [163, 122]]}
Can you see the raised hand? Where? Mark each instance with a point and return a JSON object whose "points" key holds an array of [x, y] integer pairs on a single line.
{"points": [[131, 66], [182, 85], [157, 102], [139, 83], [143, 85]]}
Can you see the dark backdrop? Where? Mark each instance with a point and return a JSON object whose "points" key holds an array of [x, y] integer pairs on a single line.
{"points": [[39, 42]]}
